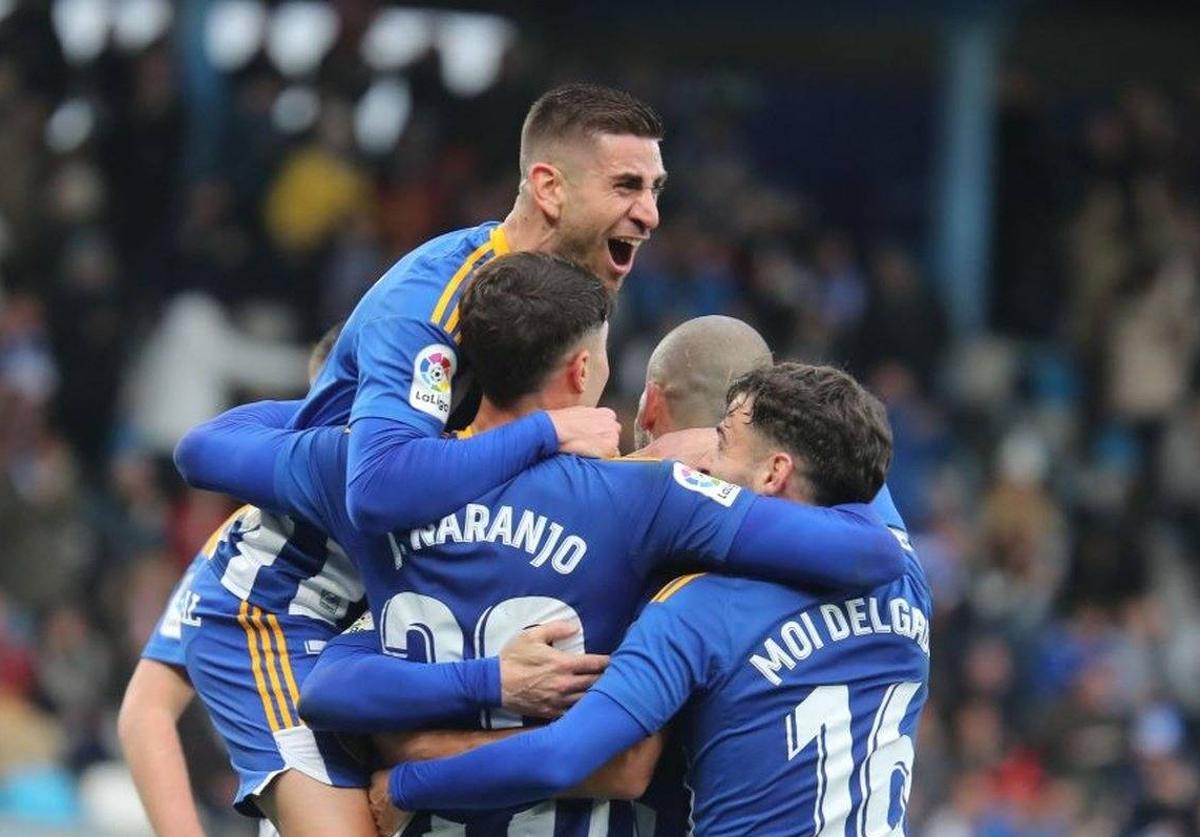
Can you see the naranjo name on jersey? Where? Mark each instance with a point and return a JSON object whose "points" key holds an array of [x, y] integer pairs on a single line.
{"points": [[534, 533], [797, 639]]}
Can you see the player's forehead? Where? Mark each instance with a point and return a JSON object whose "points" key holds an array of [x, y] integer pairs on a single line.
{"points": [[616, 155]]}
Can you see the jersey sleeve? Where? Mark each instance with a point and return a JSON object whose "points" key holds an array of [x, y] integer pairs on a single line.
{"points": [[247, 454], [689, 516], [664, 658], [391, 693], [406, 369], [699, 518], [310, 480], [235, 452], [523, 768]]}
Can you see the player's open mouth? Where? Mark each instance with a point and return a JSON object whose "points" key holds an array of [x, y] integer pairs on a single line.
{"points": [[621, 252]]}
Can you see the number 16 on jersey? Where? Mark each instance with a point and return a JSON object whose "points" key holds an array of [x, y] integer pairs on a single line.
{"points": [[823, 719]]}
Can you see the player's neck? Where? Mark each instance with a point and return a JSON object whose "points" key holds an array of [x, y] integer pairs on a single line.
{"points": [[490, 416], [525, 230]]}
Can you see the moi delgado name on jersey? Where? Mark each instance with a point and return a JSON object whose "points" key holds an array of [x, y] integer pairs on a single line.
{"points": [[433, 371], [798, 638]]}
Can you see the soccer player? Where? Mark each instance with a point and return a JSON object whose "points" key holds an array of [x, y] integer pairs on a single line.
{"points": [[798, 709], [591, 173], [161, 687], [690, 371], [570, 539]]}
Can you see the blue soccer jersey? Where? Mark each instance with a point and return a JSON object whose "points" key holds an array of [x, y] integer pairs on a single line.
{"points": [[397, 355], [247, 663], [798, 713], [570, 538], [286, 565], [461, 588], [165, 645]]}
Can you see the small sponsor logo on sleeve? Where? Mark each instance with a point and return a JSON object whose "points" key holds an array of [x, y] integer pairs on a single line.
{"points": [[711, 487], [433, 372]]}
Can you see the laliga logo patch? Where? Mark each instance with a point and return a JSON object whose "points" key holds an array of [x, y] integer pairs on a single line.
{"points": [[433, 372], [711, 487]]}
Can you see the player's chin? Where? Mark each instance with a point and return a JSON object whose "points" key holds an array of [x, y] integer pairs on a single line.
{"points": [[614, 274]]}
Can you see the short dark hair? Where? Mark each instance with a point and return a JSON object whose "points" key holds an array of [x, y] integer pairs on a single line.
{"points": [[827, 419], [520, 314], [584, 110]]}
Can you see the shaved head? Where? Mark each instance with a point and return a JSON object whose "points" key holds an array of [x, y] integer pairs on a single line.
{"points": [[690, 372]]}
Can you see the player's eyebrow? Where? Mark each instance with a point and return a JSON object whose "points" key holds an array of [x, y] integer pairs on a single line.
{"points": [[633, 180]]}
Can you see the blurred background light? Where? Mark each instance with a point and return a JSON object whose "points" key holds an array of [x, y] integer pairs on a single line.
{"points": [[381, 115], [296, 109], [82, 27], [471, 47], [299, 36], [139, 23], [396, 38], [70, 126], [233, 33], [6, 6]]}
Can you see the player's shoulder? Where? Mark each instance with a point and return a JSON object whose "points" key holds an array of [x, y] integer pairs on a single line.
{"points": [[426, 280], [704, 596], [700, 605], [624, 476]]}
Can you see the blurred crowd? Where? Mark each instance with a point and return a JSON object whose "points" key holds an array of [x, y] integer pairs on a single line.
{"points": [[1049, 467]]}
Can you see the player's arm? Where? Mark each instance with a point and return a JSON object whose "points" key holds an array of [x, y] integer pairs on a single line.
{"points": [[533, 765], [730, 529], [661, 661], [625, 776], [155, 698], [236, 452], [838, 547], [529, 677], [400, 473]]}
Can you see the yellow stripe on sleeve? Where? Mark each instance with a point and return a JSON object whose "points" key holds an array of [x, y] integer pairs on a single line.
{"points": [[271, 673], [256, 667], [284, 661], [457, 279], [673, 587]]}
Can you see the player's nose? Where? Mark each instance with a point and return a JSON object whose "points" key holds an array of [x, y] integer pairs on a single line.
{"points": [[644, 211]]}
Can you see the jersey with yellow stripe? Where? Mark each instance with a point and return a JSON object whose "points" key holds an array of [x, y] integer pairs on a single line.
{"points": [[248, 637], [287, 566], [397, 356]]}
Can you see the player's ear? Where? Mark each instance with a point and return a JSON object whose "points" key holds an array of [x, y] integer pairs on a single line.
{"points": [[651, 408], [779, 474], [546, 189], [578, 371]]}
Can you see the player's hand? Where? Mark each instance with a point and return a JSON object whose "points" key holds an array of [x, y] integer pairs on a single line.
{"points": [[695, 447], [587, 431], [540, 681], [389, 820]]}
